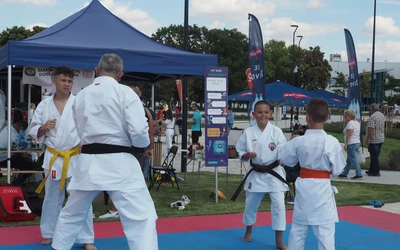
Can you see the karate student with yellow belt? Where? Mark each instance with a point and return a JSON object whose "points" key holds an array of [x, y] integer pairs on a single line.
{"points": [[53, 125]]}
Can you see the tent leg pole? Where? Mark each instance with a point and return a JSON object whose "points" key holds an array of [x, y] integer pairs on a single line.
{"points": [[9, 123]]}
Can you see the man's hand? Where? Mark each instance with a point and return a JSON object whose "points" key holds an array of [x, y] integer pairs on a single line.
{"points": [[250, 155], [49, 125], [345, 147], [149, 153]]}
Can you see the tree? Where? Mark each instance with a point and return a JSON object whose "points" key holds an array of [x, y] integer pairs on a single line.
{"points": [[18, 33], [278, 62], [392, 84], [314, 69], [341, 84], [364, 81], [229, 45]]}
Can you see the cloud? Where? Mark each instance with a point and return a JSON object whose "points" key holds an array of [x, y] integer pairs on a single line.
{"points": [[34, 2], [30, 26], [384, 50], [315, 4], [393, 2], [385, 26], [231, 10], [138, 18]]}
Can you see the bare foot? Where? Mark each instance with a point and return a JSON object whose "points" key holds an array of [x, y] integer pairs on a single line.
{"points": [[46, 241], [281, 245], [247, 235], [89, 246]]}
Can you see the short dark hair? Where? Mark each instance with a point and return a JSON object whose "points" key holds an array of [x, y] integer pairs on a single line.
{"points": [[317, 109], [63, 70], [22, 123], [168, 114], [261, 102]]}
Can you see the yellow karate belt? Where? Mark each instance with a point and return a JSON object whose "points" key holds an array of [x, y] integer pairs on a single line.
{"points": [[66, 155]]}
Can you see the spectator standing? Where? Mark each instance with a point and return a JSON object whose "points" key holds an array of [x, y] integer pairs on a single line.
{"points": [[231, 118], [375, 138], [196, 123], [352, 144]]}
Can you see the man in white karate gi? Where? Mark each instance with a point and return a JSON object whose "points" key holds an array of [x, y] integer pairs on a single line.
{"points": [[110, 121], [261, 144], [52, 124], [320, 156]]}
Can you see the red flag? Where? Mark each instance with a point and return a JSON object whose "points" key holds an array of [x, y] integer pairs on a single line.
{"points": [[249, 78], [179, 87]]}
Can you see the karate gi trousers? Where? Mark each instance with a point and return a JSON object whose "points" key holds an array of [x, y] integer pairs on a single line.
{"points": [[52, 204], [138, 221], [278, 213]]}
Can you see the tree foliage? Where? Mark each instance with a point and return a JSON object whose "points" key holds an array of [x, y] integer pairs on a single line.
{"points": [[18, 33], [341, 85], [315, 71], [229, 45], [277, 61]]}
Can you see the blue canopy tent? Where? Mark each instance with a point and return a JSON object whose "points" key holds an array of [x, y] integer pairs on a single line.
{"points": [[82, 38], [278, 94], [334, 100]]}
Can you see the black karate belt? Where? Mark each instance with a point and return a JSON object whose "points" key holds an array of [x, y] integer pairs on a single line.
{"points": [[100, 148], [261, 169]]}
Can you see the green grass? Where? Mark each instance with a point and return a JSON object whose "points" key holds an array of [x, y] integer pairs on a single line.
{"points": [[350, 193]]}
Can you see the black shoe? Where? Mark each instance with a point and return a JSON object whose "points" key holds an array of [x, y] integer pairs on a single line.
{"points": [[357, 177], [367, 172], [342, 176], [374, 174]]}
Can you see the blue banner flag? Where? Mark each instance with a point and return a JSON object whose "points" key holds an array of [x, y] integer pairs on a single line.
{"points": [[353, 92], [256, 57]]}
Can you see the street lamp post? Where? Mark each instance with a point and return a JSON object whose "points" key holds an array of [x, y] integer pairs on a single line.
{"points": [[298, 71], [373, 84], [294, 35]]}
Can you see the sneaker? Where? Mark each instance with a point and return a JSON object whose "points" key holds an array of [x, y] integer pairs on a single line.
{"points": [[289, 202], [342, 176], [110, 214], [357, 177]]}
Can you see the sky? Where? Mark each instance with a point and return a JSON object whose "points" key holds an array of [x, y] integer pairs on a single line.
{"points": [[321, 22]]}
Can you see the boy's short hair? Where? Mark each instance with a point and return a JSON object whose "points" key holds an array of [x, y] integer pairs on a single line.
{"points": [[317, 109], [261, 102], [63, 71]]}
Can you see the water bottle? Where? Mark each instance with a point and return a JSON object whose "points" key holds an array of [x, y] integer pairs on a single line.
{"points": [[17, 139], [29, 142], [21, 139]]}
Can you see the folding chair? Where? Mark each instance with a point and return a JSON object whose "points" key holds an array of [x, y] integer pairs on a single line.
{"points": [[166, 171]]}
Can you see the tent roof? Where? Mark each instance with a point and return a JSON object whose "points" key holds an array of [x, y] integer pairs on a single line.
{"points": [[334, 99], [82, 38], [278, 94]]}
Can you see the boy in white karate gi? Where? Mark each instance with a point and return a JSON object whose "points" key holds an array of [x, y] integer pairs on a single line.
{"points": [[261, 144], [53, 125], [320, 155]]}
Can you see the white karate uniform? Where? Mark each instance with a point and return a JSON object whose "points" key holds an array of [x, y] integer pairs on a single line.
{"points": [[314, 203], [62, 138], [266, 144], [110, 113]]}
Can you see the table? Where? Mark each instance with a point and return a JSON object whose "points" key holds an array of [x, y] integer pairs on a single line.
{"points": [[13, 151]]}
